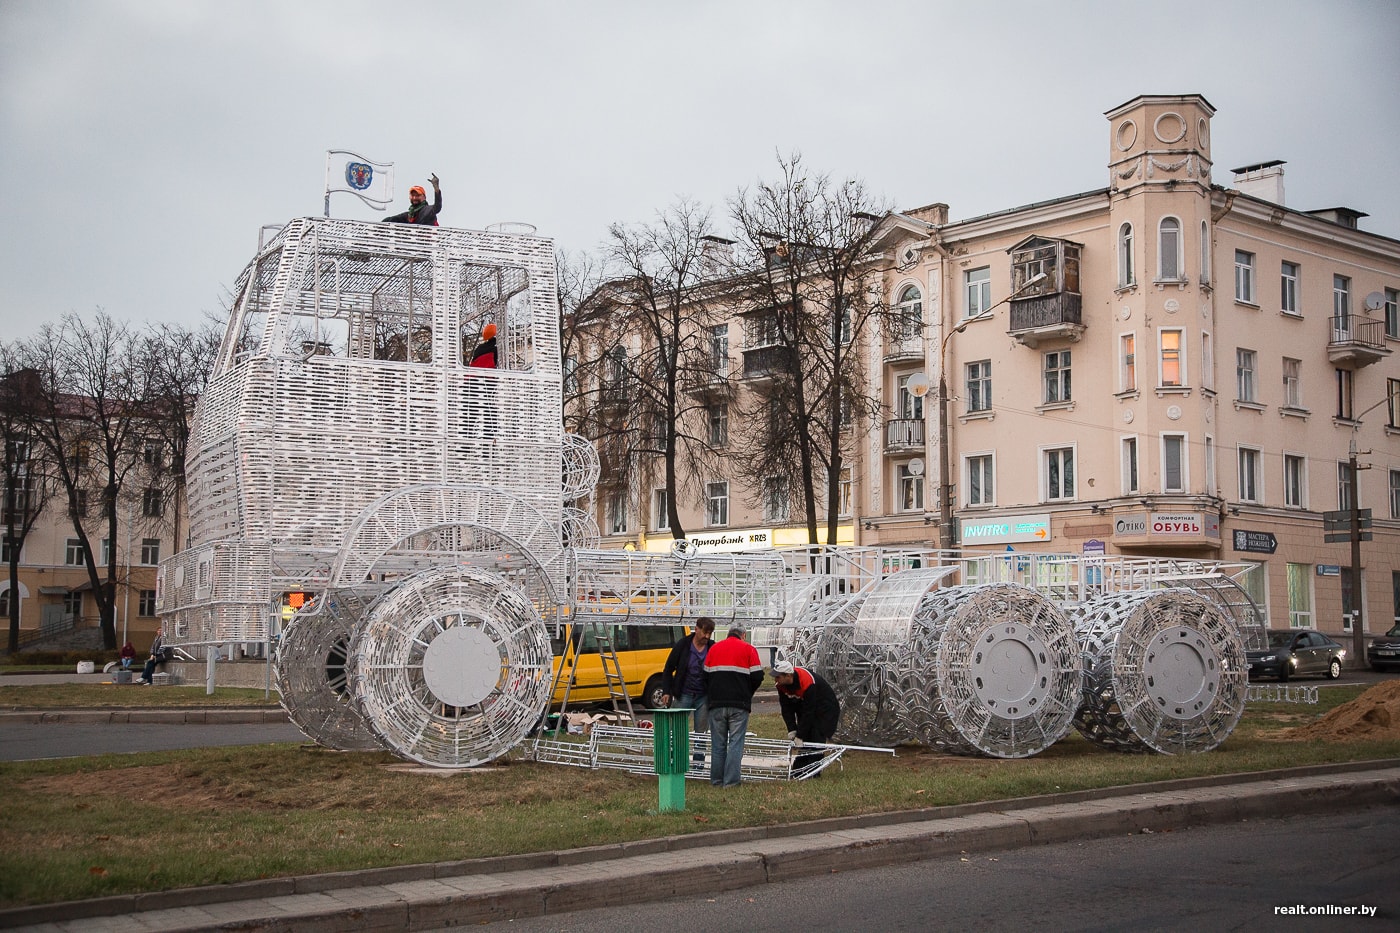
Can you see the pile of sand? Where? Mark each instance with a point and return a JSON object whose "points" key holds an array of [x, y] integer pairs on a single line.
{"points": [[1373, 715]]}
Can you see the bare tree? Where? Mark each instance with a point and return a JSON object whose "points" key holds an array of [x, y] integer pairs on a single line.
{"points": [[657, 302], [26, 478], [179, 360], [92, 401], [809, 307]]}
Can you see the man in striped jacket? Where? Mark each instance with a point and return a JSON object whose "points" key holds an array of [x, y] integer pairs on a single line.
{"points": [[732, 673]]}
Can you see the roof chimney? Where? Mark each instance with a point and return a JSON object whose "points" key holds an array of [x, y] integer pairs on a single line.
{"points": [[1263, 181]]}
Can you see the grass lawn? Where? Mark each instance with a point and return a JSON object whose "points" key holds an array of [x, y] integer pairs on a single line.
{"points": [[78, 828]]}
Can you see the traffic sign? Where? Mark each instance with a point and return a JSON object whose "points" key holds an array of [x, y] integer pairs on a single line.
{"points": [[1341, 521], [1344, 537]]}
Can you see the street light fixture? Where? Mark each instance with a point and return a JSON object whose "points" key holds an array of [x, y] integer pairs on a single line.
{"points": [[945, 488]]}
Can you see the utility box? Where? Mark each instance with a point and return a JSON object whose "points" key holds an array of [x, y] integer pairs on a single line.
{"points": [[671, 749]]}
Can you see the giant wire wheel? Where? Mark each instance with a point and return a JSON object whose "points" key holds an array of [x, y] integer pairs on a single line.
{"points": [[1164, 671], [312, 658], [452, 667], [854, 672]]}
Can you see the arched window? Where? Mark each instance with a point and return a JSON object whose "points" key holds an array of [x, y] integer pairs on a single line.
{"points": [[1169, 249], [909, 311], [1126, 275]]}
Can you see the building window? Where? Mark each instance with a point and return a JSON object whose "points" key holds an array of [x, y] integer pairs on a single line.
{"points": [[1211, 485], [73, 604], [909, 313], [717, 504], [1173, 363], [1130, 465], [78, 505], [1245, 363], [1300, 596], [1294, 480], [1392, 313], [617, 513], [146, 605], [1341, 302], [7, 552], [1345, 397], [980, 480], [5, 604], [1392, 399], [73, 553], [979, 291], [910, 406], [1169, 249], [1205, 254], [78, 459], [845, 492], [1288, 288], [1173, 463], [1345, 486], [1125, 256], [150, 551], [979, 386], [1249, 474], [777, 502], [660, 510], [152, 453], [1059, 473], [719, 350], [1207, 362], [1127, 363], [1244, 276], [910, 487], [106, 551], [1057, 376], [151, 504], [1395, 493], [1292, 383], [717, 418]]}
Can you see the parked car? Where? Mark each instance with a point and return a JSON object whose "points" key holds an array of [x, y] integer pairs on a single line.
{"points": [[641, 653], [1297, 651], [1384, 653]]}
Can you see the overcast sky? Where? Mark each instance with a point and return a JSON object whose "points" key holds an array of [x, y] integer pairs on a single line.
{"points": [[144, 142]]}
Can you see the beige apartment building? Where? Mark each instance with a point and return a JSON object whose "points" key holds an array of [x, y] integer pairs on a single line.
{"points": [[1162, 366]]}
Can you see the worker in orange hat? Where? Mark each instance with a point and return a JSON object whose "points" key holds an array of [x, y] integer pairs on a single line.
{"points": [[420, 211], [485, 353]]}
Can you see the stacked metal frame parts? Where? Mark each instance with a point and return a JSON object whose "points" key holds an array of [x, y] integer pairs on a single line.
{"points": [[346, 447]]}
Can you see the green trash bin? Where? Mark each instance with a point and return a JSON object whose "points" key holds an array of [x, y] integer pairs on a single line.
{"points": [[671, 756]]}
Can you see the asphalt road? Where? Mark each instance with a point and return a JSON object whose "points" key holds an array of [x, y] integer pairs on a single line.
{"points": [[1229, 877]]}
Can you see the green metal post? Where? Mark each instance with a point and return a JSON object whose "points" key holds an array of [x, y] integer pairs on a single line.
{"points": [[671, 749]]}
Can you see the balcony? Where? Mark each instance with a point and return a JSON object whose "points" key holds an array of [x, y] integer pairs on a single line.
{"points": [[904, 434], [1040, 318], [709, 385], [765, 362], [1356, 341]]}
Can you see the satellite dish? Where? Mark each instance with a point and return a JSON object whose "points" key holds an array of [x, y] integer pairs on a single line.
{"points": [[918, 385], [1375, 301], [916, 467]]}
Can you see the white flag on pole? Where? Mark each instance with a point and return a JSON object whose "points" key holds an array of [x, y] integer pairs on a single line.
{"points": [[371, 182]]}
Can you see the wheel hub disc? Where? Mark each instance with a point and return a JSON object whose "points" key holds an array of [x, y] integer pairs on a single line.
{"points": [[1180, 670], [1006, 670], [462, 666]]}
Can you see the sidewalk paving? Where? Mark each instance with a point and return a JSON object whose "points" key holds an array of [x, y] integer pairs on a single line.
{"points": [[431, 896]]}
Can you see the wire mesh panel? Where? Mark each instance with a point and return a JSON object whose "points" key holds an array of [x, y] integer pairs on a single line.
{"points": [[1165, 671], [630, 588], [452, 668], [313, 659]]}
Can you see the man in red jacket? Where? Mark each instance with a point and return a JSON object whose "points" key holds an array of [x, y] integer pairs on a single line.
{"points": [[733, 673]]}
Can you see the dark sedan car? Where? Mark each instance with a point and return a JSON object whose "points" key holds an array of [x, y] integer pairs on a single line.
{"points": [[1384, 653], [1297, 651]]}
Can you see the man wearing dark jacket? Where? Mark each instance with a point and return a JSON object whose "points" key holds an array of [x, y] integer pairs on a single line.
{"points": [[733, 673], [809, 708], [684, 674], [420, 211]]}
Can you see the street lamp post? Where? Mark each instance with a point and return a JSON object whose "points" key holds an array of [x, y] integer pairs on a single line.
{"points": [[945, 488], [1358, 635]]}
